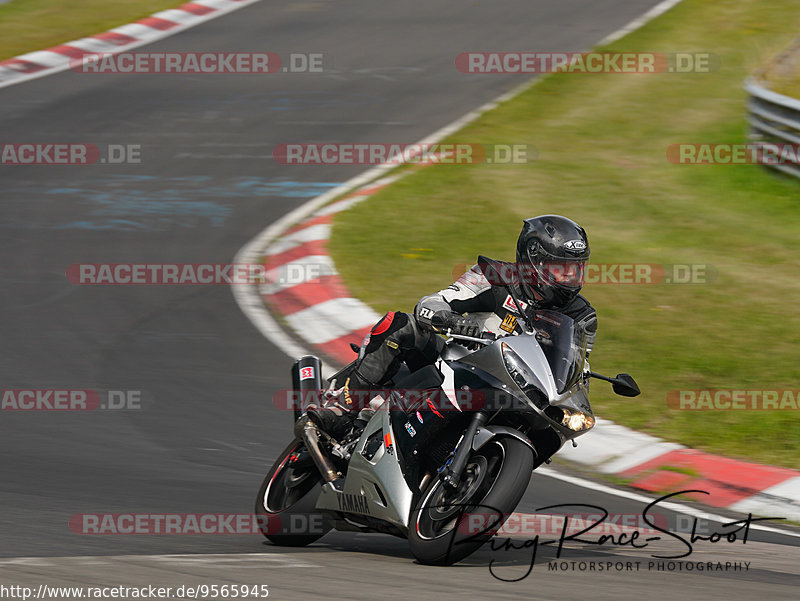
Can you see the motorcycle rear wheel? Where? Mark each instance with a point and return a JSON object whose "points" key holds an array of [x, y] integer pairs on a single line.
{"points": [[285, 505]]}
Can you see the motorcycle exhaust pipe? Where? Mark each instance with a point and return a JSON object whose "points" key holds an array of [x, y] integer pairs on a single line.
{"points": [[306, 431], [306, 382]]}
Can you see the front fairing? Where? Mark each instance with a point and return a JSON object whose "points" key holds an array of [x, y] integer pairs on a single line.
{"points": [[563, 344], [552, 359]]}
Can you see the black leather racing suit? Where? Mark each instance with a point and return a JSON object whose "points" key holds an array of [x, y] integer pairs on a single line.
{"points": [[399, 337]]}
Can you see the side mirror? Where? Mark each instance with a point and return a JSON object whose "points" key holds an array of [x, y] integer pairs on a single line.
{"points": [[499, 273], [625, 385]]}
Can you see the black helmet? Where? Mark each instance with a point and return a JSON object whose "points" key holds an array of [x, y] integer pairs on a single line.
{"points": [[551, 256]]}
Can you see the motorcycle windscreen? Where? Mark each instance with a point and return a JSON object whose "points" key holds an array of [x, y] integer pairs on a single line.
{"points": [[564, 346]]}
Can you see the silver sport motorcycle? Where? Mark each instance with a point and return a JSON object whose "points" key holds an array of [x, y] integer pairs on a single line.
{"points": [[447, 442]]}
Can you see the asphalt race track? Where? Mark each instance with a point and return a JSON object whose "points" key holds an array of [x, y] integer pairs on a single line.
{"points": [[207, 430]]}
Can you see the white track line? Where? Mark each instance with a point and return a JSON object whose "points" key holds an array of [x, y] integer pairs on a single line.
{"points": [[256, 560], [658, 10]]}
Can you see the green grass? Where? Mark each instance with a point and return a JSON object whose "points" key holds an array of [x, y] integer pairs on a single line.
{"points": [[601, 143], [782, 75], [29, 25]]}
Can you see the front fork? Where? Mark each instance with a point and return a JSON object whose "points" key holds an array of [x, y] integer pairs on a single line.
{"points": [[452, 471]]}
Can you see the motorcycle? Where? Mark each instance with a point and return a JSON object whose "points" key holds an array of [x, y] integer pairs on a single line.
{"points": [[445, 443]]}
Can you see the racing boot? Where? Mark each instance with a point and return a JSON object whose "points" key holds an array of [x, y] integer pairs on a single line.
{"points": [[332, 420]]}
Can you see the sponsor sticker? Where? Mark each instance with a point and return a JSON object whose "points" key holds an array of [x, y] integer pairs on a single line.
{"points": [[509, 323], [575, 245], [426, 313], [512, 306]]}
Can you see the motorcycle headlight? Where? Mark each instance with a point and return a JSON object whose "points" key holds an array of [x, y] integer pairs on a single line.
{"points": [[577, 420], [516, 367]]}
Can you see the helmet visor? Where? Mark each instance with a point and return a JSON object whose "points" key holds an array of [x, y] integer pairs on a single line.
{"points": [[569, 274]]}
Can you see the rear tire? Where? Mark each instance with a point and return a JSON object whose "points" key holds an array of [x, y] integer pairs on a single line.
{"points": [[285, 505], [440, 529]]}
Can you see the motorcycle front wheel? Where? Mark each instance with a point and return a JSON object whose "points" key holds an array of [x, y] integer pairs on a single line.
{"points": [[285, 504], [448, 524]]}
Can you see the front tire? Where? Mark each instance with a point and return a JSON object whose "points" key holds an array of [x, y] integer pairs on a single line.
{"points": [[285, 505], [446, 526]]}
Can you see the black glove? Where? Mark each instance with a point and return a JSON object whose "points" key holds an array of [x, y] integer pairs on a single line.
{"points": [[457, 324]]}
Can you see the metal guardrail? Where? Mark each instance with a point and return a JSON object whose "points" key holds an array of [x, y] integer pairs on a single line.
{"points": [[774, 119]]}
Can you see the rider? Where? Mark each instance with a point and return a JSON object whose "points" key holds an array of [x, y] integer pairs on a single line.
{"points": [[552, 252]]}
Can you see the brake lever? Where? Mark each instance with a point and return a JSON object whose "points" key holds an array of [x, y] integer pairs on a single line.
{"points": [[451, 336]]}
